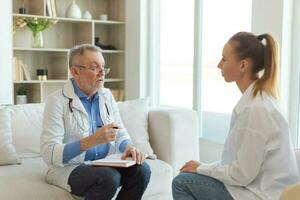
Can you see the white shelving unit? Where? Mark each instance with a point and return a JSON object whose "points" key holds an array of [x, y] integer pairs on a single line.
{"points": [[62, 36]]}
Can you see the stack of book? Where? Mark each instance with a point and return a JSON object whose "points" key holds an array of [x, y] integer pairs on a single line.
{"points": [[20, 70], [51, 8], [118, 94]]}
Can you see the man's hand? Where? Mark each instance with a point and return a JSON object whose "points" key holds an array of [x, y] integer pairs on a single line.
{"points": [[136, 154], [103, 135], [190, 167]]}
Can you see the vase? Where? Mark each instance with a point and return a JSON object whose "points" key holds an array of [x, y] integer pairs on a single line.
{"points": [[73, 10], [86, 15], [38, 40], [21, 99]]}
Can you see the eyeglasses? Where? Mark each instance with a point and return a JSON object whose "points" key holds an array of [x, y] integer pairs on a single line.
{"points": [[96, 69]]}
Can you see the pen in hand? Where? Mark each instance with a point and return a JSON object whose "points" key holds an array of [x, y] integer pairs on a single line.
{"points": [[114, 127]]}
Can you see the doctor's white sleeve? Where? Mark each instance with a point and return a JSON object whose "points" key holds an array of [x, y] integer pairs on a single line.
{"points": [[53, 132]]}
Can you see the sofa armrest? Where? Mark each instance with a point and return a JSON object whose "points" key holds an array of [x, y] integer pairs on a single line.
{"points": [[291, 193], [174, 135]]}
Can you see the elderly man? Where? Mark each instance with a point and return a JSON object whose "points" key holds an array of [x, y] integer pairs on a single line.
{"points": [[82, 123]]}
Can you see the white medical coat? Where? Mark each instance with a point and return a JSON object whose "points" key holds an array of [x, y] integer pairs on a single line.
{"points": [[61, 126]]}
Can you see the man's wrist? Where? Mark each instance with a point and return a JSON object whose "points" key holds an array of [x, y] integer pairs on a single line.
{"points": [[123, 146], [87, 142]]}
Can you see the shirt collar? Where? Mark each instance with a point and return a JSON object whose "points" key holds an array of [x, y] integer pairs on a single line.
{"points": [[245, 99], [80, 94]]}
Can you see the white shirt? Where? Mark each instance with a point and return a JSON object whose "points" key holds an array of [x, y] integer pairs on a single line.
{"points": [[258, 160]]}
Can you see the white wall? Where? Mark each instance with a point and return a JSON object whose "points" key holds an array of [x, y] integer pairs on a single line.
{"points": [[6, 87], [136, 46]]}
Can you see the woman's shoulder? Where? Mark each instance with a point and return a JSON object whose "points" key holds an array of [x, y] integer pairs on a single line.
{"points": [[265, 101]]}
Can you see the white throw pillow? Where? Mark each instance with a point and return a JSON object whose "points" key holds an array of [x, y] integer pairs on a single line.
{"points": [[134, 114], [26, 126], [8, 154]]}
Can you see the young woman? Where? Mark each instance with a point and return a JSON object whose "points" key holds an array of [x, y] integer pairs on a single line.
{"points": [[258, 160]]}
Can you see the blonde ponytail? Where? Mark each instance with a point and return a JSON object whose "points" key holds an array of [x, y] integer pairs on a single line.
{"points": [[268, 81]]}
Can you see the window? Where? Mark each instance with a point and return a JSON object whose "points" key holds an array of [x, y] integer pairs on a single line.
{"points": [[176, 53], [221, 19]]}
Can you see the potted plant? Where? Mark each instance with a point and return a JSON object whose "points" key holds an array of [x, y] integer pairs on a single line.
{"points": [[21, 95], [37, 26]]}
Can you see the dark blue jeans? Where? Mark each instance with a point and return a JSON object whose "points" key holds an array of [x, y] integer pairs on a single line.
{"points": [[102, 182], [190, 186]]}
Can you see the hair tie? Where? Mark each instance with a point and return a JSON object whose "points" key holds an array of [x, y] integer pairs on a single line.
{"points": [[260, 37]]}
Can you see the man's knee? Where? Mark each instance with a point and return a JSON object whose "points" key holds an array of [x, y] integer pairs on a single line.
{"points": [[142, 174], [109, 181]]}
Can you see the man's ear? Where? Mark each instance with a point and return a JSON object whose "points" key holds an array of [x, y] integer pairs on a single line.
{"points": [[74, 71]]}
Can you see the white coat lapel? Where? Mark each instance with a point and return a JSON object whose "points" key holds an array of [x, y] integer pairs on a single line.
{"points": [[68, 91]]}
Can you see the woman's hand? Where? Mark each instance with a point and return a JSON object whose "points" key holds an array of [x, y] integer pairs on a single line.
{"points": [[190, 167]]}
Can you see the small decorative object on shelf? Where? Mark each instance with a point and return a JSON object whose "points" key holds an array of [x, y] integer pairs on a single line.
{"points": [[42, 74], [103, 17], [86, 15], [19, 23], [103, 46], [73, 11], [22, 10], [21, 97]]}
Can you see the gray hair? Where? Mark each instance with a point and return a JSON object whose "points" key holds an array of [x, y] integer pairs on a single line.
{"points": [[79, 50]]}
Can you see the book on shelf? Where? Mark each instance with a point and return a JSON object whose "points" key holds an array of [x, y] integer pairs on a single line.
{"points": [[53, 7], [17, 70], [118, 94], [14, 73], [113, 160], [49, 8], [121, 95], [26, 72]]}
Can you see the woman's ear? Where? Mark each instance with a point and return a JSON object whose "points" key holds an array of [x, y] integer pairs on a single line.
{"points": [[245, 65]]}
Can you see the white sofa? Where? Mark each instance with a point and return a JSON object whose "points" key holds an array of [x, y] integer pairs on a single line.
{"points": [[173, 135]]}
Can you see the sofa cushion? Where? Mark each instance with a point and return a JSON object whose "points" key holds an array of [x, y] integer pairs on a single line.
{"points": [[27, 181], [26, 122], [8, 154], [134, 114], [161, 178], [26, 127]]}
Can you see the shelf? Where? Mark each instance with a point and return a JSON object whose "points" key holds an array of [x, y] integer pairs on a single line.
{"points": [[40, 49], [60, 37], [113, 51], [64, 81], [107, 22], [69, 19], [38, 81], [114, 80]]}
